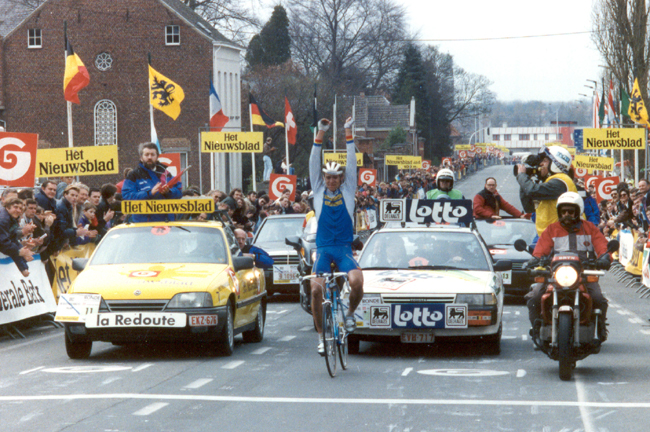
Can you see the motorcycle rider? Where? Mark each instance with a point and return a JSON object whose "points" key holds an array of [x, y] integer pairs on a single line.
{"points": [[554, 169], [445, 186], [570, 234], [334, 191]]}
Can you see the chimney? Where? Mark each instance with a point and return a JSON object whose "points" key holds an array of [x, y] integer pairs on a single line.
{"points": [[362, 94]]}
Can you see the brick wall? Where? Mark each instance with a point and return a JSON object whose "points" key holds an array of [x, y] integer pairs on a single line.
{"points": [[128, 30]]}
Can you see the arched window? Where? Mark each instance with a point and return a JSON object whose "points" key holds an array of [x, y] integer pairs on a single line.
{"points": [[105, 123]]}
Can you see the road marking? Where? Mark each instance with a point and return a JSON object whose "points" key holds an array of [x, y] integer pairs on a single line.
{"points": [[622, 311], [306, 328], [517, 313], [150, 408], [508, 337], [142, 367], [31, 370], [524, 337], [636, 320], [463, 372], [286, 338], [332, 401], [261, 350], [86, 369], [198, 383], [645, 331], [521, 373], [281, 312], [233, 364], [587, 421], [407, 371]]}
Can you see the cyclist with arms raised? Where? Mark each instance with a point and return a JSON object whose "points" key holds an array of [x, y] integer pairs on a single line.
{"points": [[334, 191]]}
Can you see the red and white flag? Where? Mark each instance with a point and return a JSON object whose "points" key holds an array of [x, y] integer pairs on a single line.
{"points": [[290, 123], [610, 112], [217, 118]]}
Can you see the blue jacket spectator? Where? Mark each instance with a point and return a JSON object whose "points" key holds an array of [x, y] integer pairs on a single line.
{"points": [[144, 183], [9, 231], [45, 197], [64, 228], [592, 212]]}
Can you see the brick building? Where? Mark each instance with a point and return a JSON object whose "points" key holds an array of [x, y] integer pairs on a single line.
{"points": [[113, 39]]}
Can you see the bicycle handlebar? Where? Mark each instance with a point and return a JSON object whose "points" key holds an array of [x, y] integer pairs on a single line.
{"points": [[325, 275]]}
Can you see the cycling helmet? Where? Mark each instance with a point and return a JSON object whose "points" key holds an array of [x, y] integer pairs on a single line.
{"points": [[572, 199], [333, 168], [445, 174], [560, 159]]}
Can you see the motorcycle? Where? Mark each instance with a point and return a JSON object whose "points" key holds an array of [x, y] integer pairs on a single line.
{"points": [[570, 326]]}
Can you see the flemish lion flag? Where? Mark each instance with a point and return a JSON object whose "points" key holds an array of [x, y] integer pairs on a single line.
{"points": [[76, 75], [637, 111], [165, 94], [259, 117]]}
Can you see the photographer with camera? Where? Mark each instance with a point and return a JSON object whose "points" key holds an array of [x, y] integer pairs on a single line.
{"points": [[551, 167]]}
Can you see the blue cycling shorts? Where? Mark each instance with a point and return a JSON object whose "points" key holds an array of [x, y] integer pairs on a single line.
{"points": [[339, 255]]}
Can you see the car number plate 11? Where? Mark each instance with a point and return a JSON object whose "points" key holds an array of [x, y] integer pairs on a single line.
{"points": [[414, 337], [285, 274], [507, 277], [203, 320]]}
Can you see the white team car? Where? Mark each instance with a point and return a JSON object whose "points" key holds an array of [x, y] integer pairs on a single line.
{"points": [[422, 284]]}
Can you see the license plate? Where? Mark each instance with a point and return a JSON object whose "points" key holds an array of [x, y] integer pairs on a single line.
{"points": [[136, 319], [203, 320], [507, 277], [285, 274], [411, 337]]}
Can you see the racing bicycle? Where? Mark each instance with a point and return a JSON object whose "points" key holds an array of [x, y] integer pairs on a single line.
{"points": [[335, 337]]}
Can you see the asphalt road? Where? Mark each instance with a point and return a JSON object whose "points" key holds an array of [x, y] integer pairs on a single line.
{"points": [[281, 384]]}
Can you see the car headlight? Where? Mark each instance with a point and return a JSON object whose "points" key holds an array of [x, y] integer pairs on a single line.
{"points": [[477, 299], [190, 300], [565, 276]]}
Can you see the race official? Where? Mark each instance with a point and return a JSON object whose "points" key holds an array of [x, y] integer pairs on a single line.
{"points": [[149, 182], [488, 203], [262, 259], [445, 186], [541, 198]]}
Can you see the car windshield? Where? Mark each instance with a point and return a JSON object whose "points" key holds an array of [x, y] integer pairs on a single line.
{"points": [[506, 231], [277, 229], [310, 230], [162, 244], [425, 250]]}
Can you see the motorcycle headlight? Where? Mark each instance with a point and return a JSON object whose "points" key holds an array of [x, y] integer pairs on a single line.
{"points": [[565, 276], [313, 256], [190, 300]]}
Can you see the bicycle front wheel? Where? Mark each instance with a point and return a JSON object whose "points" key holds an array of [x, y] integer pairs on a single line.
{"points": [[329, 339], [342, 342]]}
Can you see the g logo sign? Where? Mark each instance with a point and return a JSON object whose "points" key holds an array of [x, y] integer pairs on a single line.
{"points": [[18, 159], [604, 187], [368, 176], [281, 182], [426, 164], [581, 172], [172, 161]]}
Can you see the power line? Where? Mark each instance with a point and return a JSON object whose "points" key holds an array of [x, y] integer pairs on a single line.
{"points": [[504, 37]]}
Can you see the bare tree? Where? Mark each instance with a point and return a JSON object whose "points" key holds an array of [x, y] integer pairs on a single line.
{"points": [[343, 40], [620, 32], [472, 95], [231, 16]]}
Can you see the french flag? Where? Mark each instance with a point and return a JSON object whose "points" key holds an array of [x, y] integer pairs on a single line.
{"points": [[217, 118]]}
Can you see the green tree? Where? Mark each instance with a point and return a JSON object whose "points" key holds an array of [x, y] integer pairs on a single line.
{"points": [[397, 135], [272, 46]]}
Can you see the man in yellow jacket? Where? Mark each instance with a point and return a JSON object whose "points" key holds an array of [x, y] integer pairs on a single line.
{"points": [[541, 197]]}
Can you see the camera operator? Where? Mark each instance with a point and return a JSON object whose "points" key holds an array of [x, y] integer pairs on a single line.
{"points": [[552, 167]]}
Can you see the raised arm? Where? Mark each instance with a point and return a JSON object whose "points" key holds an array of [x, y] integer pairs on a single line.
{"points": [[315, 158]]}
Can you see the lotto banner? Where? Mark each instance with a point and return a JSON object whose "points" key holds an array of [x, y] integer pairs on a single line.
{"points": [[281, 182], [368, 176], [24, 297], [63, 273], [18, 159], [441, 211]]}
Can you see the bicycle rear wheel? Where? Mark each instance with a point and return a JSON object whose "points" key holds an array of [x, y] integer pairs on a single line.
{"points": [[342, 342], [329, 339]]}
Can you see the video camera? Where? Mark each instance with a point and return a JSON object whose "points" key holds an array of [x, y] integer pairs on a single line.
{"points": [[532, 162]]}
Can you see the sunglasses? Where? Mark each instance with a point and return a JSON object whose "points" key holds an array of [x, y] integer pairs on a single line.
{"points": [[567, 211]]}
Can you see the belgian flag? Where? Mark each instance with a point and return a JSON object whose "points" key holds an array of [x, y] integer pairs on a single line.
{"points": [[259, 117], [76, 75]]}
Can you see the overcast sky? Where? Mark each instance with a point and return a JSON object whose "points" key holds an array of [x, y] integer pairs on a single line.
{"points": [[553, 68]]}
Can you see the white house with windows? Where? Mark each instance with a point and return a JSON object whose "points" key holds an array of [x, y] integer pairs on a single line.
{"points": [[529, 139]]}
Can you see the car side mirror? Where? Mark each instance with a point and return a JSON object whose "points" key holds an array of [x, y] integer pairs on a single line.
{"points": [[293, 241], [520, 245], [502, 265], [242, 263], [78, 264]]}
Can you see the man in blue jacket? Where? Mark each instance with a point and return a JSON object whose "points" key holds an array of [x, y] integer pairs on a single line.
{"points": [[149, 182], [262, 259]]}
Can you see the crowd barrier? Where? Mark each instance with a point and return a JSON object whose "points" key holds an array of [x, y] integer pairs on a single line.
{"points": [[630, 267], [23, 297]]}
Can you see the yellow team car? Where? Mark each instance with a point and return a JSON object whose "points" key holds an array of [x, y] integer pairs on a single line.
{"points": [[171, 281]]}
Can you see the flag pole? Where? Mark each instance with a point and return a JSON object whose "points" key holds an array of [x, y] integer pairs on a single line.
{"points": [[68, 104], [334, 120], [250, 114], [154, 134], [286, 142]]}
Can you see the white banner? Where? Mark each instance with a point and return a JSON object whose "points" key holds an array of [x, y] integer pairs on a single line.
{"points": [[24, 297], [627, 247]]}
